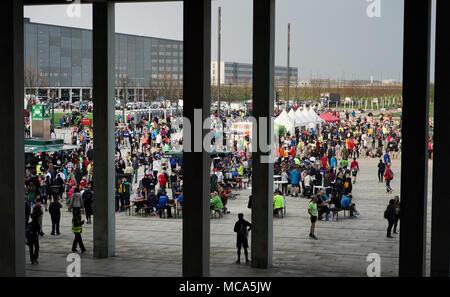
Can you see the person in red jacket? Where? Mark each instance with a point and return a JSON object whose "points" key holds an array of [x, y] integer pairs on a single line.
{"points": [[354, 166], [162, 181], [292, 152], [324, 161], [388, 176]]}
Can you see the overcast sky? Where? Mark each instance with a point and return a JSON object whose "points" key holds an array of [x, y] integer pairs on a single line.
{"points": [[329, 38]]}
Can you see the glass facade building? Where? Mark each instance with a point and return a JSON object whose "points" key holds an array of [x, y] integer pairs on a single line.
{"points": [[60, 58]]}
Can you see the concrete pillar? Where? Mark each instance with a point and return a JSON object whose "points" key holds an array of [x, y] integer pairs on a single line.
{"points": [[103, 84], [12, 216], [197, 91], [416, 75], [262, 173], [70, 95], [440, 229]]}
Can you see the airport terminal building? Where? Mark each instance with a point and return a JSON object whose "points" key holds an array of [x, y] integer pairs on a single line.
{"points": [[58, 61]]}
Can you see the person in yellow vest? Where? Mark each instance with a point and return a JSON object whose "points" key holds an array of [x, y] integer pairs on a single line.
{"points": [[286, 152], [278, 203], [38, 169], [241, 170], [77, 229], [90, 170]]}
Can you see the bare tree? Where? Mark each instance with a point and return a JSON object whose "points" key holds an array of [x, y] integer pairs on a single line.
{"points": [[32, 77], [168, 87], [245, 91], [152, 91], [123, 83], [228, 92]]}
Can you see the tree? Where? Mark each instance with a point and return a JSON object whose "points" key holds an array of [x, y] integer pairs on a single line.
{"points": [[123, 83], [431, 92], [245, 91], [228, 92], [151, 92], [32, 77], [168, 87]]}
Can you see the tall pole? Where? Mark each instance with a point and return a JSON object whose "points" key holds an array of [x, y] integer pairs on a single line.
{"points": [[288, 64], [218, 58], [52, 124]]}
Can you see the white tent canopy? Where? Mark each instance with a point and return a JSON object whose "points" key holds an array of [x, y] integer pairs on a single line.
{"points": [[308, 116], [297, 121], [285, 120], [315, 116], [301, 118], [312, 120]]}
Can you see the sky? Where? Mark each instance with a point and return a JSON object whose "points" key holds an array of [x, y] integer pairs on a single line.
{"points": [[329, 38]]}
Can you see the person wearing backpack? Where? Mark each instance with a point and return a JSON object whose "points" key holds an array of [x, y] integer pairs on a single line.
{"points": [[339, 184], [397, 212], [88, 199], [38, 209], [27, 211], [124, 192], [347, 184], [76, 201], [389, 214], [32, 236], [55, 214], [388, 176], [241, 228]]}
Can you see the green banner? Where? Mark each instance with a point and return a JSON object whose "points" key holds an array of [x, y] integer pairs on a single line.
{"points": [[40, 112]]}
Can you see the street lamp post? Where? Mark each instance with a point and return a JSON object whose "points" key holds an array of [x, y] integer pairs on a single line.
{"points": [[52, 121]]}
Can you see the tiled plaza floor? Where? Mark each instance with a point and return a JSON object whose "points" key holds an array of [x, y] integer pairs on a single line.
{"points": [[150, 246]]}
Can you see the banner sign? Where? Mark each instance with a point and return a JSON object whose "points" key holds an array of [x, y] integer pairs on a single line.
{"points": [[40, 112]]}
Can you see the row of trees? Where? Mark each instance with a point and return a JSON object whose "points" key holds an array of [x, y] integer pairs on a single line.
{"points": [[313, 92], [169, 88], [166, 87], [33, 78]]}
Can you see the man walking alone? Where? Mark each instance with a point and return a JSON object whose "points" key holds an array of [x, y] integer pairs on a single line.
{"points": [[242, 237], [389, 214], [381, 169], [312, 211], [77, 229]]}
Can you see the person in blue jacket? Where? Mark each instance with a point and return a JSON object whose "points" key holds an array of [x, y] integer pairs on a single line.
{"points": [[295, 178], [387, 158]]}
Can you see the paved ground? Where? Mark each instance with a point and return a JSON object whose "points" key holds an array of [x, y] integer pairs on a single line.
{"points": [[150, 246]]}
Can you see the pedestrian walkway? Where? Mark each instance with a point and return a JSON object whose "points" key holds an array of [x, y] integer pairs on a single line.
{"points": [[151, 246]]}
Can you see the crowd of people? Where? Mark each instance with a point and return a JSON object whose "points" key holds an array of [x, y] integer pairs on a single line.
{"points": [[320, 164]]}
